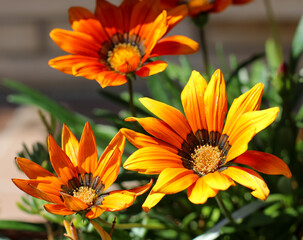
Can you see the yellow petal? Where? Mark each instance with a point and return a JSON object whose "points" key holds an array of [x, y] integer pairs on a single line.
{"points": [[102, 233], [250, 179], [200, 191], [151, 200], [151, 68], [193, 101], [218, 181], [94, 212], [70, 144]]}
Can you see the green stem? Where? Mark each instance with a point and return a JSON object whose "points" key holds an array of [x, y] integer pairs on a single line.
{"points": [[130, 225], [131, 95], [204, 51], [224, 209]]}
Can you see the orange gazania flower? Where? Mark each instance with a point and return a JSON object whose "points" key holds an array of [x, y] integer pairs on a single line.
{"points": [[81, 180], [198, 6], [200, 152], [115, 41]]}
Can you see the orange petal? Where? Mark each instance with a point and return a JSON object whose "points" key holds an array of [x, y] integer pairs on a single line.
{"points": [[176, 15], [173, 117], [141, 189], [152, 160], [193, 101], [89, 69], [151, 200], [151, 68], [83, 20], [264, 162], [70, 144], [60, 161], [250, 179], [58, 209], [174, 180], [175, 45], [218, 181], [94, 212], [160, 130], [199, 191], [215, 102], [54, 198], [73, 203], [247, 126], [247, 102], [110, 78], [140, 140], [118, 200], [66, 63], [87, 155], [102, 233], [76, 42]]}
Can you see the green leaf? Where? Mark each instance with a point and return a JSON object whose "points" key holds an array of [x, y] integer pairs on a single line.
{"points": [[274, 54], [24, 226], [296, 47]]}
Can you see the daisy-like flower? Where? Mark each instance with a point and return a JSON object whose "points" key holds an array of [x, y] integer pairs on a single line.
{"points": [[81, 180], [117, 40], [198, 6], [200, 152]]}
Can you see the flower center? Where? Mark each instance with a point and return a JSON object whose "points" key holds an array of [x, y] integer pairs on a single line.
{"points": [[86, 195], [206, 159], [124, 58]]}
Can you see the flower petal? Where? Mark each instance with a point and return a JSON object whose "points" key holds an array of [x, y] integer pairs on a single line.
{"points": [[110, 78], [247, 102], [250, 179], [75, 42], [247, 126], [160, 130], [103, 234], [70, 144], [173, 117], [192, 98], [87, 155], [151, 68], [60, 161], [94, 212], [174, 180], [118, 200], [175, 45], [152, 160], [89, 68], [215, 102], [73, 203], [218, 181], [151, 200], [58, 209], [176, 15], [264, 162], [200, 191]]}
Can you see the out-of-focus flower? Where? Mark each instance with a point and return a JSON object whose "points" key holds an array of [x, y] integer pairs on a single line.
{"points": [[200, 152], [114, 41], [198, 6], [81, 180]]}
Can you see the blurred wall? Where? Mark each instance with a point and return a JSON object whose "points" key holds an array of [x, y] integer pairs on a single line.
{"points": [[25, 46]]}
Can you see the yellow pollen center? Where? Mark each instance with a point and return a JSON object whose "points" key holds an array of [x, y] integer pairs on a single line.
{"points": [[206, 159], [124, 58], [86, 195]]}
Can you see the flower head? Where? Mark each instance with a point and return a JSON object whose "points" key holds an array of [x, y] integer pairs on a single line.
{"points": [[202, 6], [202, 151], [115, 41], [81, 179]]}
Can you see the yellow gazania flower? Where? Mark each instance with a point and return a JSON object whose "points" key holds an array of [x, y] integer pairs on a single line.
{"points": [[200, 153], [81, 179], [114, 41], [198, 6]]}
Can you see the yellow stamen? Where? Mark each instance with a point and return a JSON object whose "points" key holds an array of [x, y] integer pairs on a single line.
{"points": [[124, 58], [206, 159], [86, 195]]}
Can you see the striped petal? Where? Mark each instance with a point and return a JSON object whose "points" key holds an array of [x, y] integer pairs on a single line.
{"points": [[152, 160], [173, 117], [200, 191], [264, 162], [73, 203], [192, 98], [70, 144], [249, 179]]}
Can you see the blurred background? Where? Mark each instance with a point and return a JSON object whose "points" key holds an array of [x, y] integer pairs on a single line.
{"points": [[25, 48]]}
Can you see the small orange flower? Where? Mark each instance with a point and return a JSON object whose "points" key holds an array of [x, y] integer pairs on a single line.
{"points": [[81, 179], [201, 153], [198, 6], [114, 41]]}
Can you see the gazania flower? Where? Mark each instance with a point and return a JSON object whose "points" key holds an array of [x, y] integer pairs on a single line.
{"points": [[81, 180], [200, 152], [115, 41], [198, 6]]}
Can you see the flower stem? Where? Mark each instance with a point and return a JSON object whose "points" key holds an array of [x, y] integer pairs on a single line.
{"points": [[131, 95], [224, 209], [204, 51]]}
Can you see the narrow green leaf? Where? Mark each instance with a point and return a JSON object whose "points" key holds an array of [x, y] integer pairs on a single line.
{"points": [[296, 47], [274, 54], [18, 225]]}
